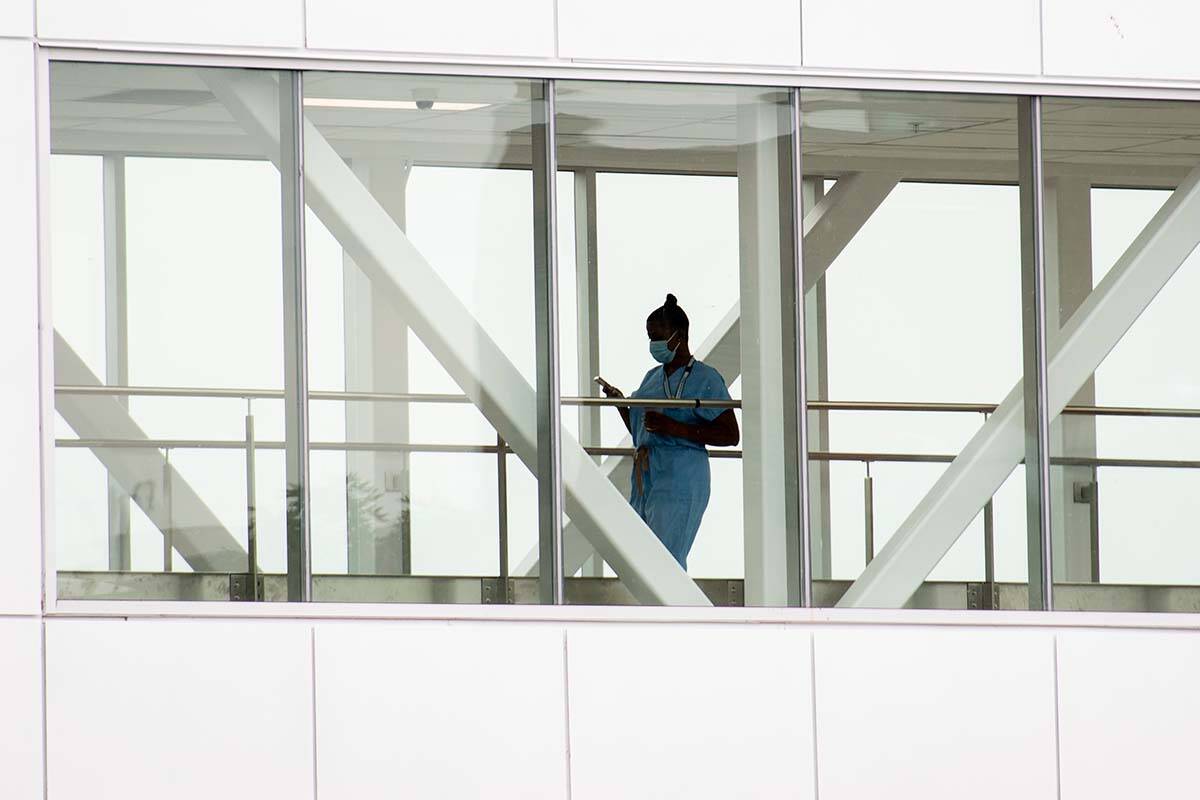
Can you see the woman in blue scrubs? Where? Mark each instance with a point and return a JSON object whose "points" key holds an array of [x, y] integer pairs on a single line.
{"points": [[670, 485]]}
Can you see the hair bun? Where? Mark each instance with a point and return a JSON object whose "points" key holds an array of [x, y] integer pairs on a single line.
{"points": [[671, 301]]}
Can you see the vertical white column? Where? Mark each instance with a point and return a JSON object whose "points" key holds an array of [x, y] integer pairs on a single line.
{"points": [[816, 343], [1068, 283], [116, 342], [764, 466], [376, 356], [587, 300]]}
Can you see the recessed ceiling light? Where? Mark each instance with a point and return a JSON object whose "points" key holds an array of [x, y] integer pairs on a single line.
{"points": [[401, 105]]}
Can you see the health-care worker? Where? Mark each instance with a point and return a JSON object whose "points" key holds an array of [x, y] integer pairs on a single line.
{"points": [[670, 484]]}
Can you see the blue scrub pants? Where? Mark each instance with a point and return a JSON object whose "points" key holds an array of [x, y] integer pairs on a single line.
{"points": [[673, 496]]}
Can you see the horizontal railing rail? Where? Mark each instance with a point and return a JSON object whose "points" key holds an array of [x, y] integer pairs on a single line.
{"points": [[435, 398], [404, 447]]}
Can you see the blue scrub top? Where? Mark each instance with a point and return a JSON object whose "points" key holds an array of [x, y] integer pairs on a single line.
{"points": [[704, 383], [674, 487]]}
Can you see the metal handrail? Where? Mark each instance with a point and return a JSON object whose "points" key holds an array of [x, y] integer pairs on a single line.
{"points": [[419, 397], [403, 447]]}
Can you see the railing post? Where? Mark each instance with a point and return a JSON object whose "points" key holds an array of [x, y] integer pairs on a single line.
{"points": [[869, 513], [251, 505]]}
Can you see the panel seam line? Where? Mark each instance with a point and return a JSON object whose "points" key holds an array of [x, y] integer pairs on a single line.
{"points": [[812, 674], [567, 709], [1057, 729]]}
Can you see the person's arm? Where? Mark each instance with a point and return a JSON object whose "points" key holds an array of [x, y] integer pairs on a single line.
{"points": [[721, 432], [612, 391]]}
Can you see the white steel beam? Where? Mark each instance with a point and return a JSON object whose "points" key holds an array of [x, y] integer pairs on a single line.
{"points": [[771, 577], [816, 359], [587, 301], [198, 535], [828, 227], [116, 341], [1078, 349], [1068, 225], [460, 344], [376, 359]]}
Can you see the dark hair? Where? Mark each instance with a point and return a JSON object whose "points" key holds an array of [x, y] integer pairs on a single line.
{"points": [[671, 315]]}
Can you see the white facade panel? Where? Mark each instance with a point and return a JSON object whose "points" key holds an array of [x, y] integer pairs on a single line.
{"points": [[20, 708], [16, 18], [20, 535], [690, 712], [1129, 704], [757, 32], [178, 709], [935, 713], [440, 710], [464, 27], [976, 36], [1121, 38], [262, 23]]}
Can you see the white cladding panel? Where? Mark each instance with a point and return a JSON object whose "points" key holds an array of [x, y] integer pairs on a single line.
{"points": [[1122, 38], [440, 710], [20, 708], [690, 711], [1129, 704], [935, 713], [261, 23], [983, 36], [16, 18], [765, 32], [459, 27], [178, 709], [20, 494]]}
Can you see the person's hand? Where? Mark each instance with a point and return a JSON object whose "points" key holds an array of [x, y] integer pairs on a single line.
{"points": [[660, 423], [611, 391]]}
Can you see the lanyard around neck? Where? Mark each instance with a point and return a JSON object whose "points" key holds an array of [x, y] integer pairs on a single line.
{"points": [[682, 381]]}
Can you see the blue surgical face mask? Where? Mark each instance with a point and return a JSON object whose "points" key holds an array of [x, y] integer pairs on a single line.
{"points": [[661, 351]]}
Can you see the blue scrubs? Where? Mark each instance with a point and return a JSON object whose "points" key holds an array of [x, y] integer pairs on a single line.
{"points": [[674, 489]]}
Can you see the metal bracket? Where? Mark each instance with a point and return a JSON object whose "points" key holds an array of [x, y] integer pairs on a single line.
{"points": [[737, 596], [495, 590], [243, 589], [983, 596], [1084, 492]]}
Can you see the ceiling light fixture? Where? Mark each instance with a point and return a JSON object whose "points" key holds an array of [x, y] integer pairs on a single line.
{"points": [[389, 105]]}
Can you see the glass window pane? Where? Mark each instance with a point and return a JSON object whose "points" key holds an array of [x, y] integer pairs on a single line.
{"points": [[1122, 288], [913, 295], [421, 333], [680, 191], [167, 299]]}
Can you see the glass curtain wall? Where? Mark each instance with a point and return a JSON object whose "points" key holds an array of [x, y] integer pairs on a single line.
{"points": [[1122, 189], [169, 292], [680, 254], [912, 280], [249, 390]]}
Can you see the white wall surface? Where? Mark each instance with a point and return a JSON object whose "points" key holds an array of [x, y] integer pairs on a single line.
{"points": [[690, 712], [182, 709], [20, 534], [464, 27], [439, 710], [1122, 38], [763, 32], [20, 708], [16, 18], [247, 23], [1125, 39], [1129, 703], [941, 713], [204, 708], [996, 36]]}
